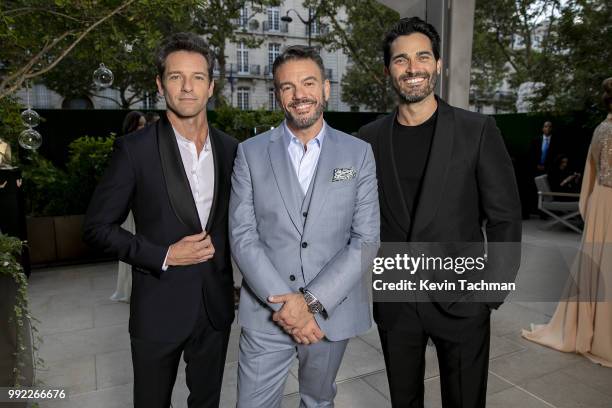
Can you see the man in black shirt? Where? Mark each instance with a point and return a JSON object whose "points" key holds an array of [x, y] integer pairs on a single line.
{"points": [[442, 171], [411, 151]]}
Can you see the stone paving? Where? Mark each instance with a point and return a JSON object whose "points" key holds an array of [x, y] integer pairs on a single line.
{"points": [[86, 347]]}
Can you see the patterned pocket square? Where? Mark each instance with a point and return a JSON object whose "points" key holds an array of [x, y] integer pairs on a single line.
{"points": [[344, 174]]}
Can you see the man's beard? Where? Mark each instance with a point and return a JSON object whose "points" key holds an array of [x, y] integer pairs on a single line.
{"points": [[418, 94], [304, 122]]}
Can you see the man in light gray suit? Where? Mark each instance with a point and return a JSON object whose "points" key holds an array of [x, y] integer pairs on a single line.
{"points": [[304, 228]]}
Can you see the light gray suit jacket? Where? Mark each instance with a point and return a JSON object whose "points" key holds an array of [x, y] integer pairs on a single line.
{"points": [[281, 243]]}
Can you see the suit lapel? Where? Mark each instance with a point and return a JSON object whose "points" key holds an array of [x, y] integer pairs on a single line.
{"points": [[321, 181], [389, 179], [437, 169], [286, 180], [218, 153], [175, 177]]}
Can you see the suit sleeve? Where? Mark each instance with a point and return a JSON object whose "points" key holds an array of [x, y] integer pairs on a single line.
{"points": [[248, 251], [353, 262], [109, 207], [500, 204]]}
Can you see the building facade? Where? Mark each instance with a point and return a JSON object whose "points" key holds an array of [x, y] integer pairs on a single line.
{"points": [[249, 82]]}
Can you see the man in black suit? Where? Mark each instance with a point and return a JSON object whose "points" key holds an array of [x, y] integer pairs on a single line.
{"points": [[175, 178], [543, 151], [442, 171]]}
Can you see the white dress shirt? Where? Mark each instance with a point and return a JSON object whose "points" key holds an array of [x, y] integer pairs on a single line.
{"points": [[200, 171], [304, 158]]}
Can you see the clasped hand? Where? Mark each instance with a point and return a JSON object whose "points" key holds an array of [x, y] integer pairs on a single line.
{"points": [[191, 250], [295, 318]]}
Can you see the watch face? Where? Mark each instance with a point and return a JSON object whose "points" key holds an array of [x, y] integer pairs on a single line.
{"points": [[315, 307]]}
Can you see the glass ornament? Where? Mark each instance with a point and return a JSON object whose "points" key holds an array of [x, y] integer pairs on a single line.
{"points": [[103, 77], [30, 139], [30, 117]]}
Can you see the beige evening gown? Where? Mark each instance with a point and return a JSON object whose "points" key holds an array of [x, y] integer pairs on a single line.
{"points": [[582, 322]]}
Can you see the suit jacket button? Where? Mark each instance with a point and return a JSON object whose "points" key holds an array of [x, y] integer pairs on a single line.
{"points": [[291, 277], [304, 244], [305, 214]]}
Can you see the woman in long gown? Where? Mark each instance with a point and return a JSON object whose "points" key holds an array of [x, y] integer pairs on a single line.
{"points": [[582, 322], [133, 121]]}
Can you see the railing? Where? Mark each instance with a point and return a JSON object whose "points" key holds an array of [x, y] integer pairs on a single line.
{"points": [[283, 27]]}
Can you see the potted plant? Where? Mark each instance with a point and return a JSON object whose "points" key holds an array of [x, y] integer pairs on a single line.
{"points": [[17, 362], [57, 199]]}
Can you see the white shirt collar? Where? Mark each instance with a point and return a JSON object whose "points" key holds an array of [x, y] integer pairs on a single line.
{"points": [[291, 138], [184, 141]]}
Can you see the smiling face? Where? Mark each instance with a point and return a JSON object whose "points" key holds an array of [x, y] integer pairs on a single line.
{"points": [[302, 92], [185, 85], [413, 67]]}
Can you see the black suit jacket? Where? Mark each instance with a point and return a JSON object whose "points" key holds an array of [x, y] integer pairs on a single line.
{"points": [[468, 179], [146, 175], [535, 154]]}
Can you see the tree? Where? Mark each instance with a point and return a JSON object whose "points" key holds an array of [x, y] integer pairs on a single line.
{"points": [[218, 21], [360, 36], [126, 45], [583, 56], [562, 46], [512, 41], [36, 35]]}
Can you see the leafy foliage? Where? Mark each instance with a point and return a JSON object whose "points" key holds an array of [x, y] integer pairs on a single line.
{"points": [[126, 44], [240, 124], [10, 252], [52, 191], [217, 20], [564, 45], [37, 34], [10, 121], [359, 34]]}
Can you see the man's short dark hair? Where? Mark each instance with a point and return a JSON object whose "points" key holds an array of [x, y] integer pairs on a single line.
{"points": [[407, 26], [298, 52], [184, 42]]}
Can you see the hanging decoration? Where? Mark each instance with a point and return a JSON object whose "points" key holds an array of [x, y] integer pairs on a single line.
{"points": [[30, 139]]}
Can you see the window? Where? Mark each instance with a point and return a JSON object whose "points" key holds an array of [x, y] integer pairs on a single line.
{"points": [[244, 102], [242, 57], [273, 19], [314, 26], [273, 53], [272, 100], [243, 20]]}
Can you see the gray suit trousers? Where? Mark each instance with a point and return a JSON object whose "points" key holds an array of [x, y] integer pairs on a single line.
{"points": [[264, 363]]}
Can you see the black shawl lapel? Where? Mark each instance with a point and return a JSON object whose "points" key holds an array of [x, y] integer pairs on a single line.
{"points": [[218, 152], [175, 177], [437, 168], [389, 179]]}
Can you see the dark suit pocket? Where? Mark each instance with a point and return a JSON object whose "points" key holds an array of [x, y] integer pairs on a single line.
{"points": [[145, 271], [141, 270]]}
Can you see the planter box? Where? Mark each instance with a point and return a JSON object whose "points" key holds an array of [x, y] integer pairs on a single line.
{"points": [[68, 243], [57, 240], [41, 240]]}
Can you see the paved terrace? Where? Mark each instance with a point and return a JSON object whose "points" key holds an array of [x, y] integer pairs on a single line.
{"points": [[86, 348]]}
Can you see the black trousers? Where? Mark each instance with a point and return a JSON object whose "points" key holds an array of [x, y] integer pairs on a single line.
{"points": [[462, 345], [156, 364]]}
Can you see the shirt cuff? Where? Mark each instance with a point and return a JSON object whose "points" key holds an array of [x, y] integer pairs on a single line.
{"points": [[165, 266]]}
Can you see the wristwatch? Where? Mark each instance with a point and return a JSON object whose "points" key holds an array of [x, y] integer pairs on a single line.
{"points": [[314, 306]]}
